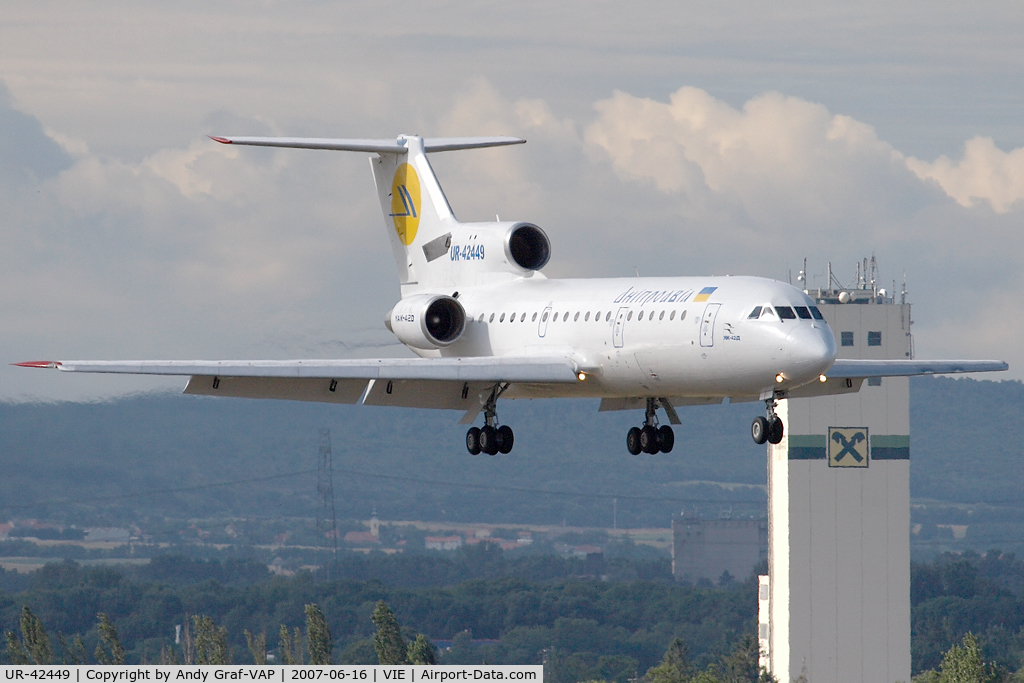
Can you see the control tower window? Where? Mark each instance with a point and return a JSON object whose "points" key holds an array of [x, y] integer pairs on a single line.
{"points": [[874, 338], [785, 313], [847, 338]]}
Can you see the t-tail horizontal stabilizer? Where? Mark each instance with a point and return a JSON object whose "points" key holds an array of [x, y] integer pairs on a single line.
{"points": [[385, 146]]}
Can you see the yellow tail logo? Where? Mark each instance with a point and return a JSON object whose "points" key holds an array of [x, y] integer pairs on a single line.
{"points": [[405, 203]]}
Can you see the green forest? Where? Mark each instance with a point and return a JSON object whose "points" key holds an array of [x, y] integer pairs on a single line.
{"points": [[485, 608]]}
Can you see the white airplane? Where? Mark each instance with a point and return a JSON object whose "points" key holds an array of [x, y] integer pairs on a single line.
{"points": [[486, 324]]}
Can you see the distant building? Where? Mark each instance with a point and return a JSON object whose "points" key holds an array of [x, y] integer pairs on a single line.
{"points": [[503, 543], [108, 534], [705, 548], [593, 557], [443, 542], [361, 537]]}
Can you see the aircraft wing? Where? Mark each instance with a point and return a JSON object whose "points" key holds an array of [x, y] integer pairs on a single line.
{"points": [[446, 383], [475, 369], [857, 368]]}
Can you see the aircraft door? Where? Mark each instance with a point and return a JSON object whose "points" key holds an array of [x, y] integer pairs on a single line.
{"points": [[707, 325], [620, 322], [542, 326]]}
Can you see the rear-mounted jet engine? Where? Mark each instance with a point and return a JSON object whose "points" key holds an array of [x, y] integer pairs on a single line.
{"points": [[427, 321]]}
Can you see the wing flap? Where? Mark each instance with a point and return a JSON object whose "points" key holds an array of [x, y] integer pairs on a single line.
{"points": [[283, 388], [854, 368], [428, 394]]}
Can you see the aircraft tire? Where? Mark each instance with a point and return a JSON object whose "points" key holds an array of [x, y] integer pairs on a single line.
{"points": [[759, 430], [775, 429], [666, 439], [489, 440], [633, 441], [473, 441], [649, 440], [505, 439]]}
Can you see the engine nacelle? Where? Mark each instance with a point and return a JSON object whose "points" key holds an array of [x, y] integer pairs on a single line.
{"points": [[527, 246], [427, 321]]}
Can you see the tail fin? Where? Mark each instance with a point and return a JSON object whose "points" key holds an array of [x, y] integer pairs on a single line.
{"points": [[417, 216]]}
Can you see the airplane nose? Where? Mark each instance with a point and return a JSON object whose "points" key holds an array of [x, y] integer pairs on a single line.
{"points": [[810, 350]]}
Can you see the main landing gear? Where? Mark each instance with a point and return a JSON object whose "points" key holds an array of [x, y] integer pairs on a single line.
{"points": [[767, 429], [650, 438], [491, 439]]}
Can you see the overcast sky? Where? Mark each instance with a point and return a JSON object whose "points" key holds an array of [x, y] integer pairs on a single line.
{"points": [[676, 138]]}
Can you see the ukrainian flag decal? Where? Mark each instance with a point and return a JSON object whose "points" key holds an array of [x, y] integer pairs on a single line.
{"points": [[704, 294], [405, 203]]}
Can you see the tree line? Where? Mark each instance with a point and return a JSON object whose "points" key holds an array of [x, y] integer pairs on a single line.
{"points": [[582, 628], [205, 642]]}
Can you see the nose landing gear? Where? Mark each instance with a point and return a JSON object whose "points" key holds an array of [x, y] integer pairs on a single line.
{"points": [[651, 438], [767, 429], [490, 439]]}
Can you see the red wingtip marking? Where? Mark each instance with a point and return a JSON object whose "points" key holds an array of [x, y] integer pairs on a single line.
{"points": [[223, 141], [38, 364]]}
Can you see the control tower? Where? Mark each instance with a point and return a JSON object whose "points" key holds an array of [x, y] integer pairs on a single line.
{"points": [[835, 605]]}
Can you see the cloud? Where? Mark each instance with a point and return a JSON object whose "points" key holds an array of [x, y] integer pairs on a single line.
{"points": [[782, 161], [984, 173], [27, 154]]}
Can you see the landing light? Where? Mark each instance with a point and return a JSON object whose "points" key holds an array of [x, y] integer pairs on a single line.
{"points": [[822, 378], [582, 376], [780, 378]]}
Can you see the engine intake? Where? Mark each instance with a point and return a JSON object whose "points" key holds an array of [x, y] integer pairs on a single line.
{"points": [[527, 246], [427, 321]]}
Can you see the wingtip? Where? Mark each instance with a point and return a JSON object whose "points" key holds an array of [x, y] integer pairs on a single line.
{"points": [[223, 141], [38, 364]]}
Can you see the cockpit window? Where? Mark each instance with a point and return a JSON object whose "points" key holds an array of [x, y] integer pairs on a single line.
{"points": [[803, 312], [755, 313], [785, 312], [816, 313]]}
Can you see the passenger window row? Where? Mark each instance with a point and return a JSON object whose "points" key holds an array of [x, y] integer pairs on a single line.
{"points": [[576, 317]]}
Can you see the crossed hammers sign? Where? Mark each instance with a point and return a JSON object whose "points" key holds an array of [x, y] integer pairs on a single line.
{"points": [[849, 447]]}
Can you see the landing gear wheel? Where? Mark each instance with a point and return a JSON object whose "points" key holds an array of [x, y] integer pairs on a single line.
{"points": [[649, 440], [759, 430], [775, 429], [666, 439], [473, 441], [505, 439], [489, 440], [633, 441]]}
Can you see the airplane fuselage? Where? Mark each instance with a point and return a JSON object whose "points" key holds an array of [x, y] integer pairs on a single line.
{"points": [[633, 337]]}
